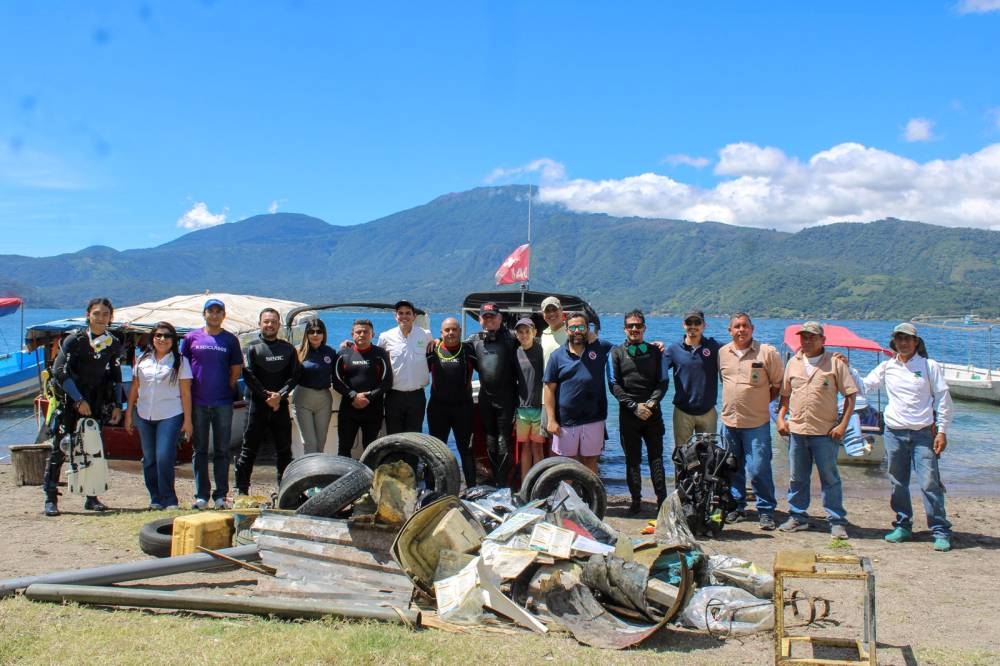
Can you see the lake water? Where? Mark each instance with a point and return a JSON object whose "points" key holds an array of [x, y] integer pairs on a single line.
{"points": [[971, 465]]}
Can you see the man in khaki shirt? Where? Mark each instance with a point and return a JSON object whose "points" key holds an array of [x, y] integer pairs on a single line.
{"points": [[751, 377], [808, 415]]}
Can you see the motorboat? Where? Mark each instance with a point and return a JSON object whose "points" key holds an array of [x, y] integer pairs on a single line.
{"points": [[843, 339], [967, 381], [133, 325], [19, 369]]}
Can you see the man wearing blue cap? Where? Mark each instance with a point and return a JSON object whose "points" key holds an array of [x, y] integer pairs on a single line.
{"points": [[216, 363]]}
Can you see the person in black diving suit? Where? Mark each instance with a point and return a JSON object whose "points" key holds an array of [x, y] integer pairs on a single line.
{"points": [[271, 372], [86, 377], [451, 363], [497, 367], [362, 374]]}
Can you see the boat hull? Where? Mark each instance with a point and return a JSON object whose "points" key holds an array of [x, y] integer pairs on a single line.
{"points": [[966, 382], [18, 378]]}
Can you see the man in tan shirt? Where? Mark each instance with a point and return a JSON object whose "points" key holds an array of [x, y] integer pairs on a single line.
{"points": [[808, 415], [751, 377]]}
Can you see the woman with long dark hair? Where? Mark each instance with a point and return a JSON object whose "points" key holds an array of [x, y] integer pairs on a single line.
{"points": [[86, 377], [312, 402], [161, 399]]}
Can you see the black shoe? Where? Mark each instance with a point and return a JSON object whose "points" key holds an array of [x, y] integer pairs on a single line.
{"points": [[635, 507], [735, 516], [94, 504], [51, 508]]}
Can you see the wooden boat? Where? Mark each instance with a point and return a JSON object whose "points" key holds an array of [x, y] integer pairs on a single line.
{"points": [[18, 368], [965, 380], [133, 325]]}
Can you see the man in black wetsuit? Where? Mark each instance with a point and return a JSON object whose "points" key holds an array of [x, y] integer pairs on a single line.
{"points": [[362, 375], [637, 382], [497, 366], [271, 372], [451, 363]]}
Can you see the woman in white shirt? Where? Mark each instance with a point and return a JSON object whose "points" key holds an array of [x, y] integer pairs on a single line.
{"points": [[160, 398]]}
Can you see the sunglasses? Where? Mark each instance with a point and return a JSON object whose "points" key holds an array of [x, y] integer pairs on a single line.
{"points": [[576, 328], [162, 336], [693, 322], [314, 331], [634, 327]]}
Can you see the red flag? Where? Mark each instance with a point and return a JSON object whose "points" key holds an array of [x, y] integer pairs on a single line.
{"points": [[514, 268]]}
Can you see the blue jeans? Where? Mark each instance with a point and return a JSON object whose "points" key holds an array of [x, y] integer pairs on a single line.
{"points": [[802, 452], [159, 454], [220, 419], [752, 447], [915, 448]]}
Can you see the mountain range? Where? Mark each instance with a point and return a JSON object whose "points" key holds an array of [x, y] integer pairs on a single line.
{"points": [[436, 253]]}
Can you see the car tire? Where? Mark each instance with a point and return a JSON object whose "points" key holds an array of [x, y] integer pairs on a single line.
{"points": [[315, 470], [156, 537], [536, 471], [338, 495], [432, 461], [587, 485]]}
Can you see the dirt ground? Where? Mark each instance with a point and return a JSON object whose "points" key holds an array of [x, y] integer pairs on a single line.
{"points": [[931, 607]]}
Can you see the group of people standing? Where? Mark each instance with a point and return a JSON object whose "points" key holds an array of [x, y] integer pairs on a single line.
{"points": [[535, 391]]}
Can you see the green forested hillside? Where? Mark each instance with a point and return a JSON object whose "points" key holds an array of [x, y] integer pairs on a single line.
{"points": [[438, 252]]}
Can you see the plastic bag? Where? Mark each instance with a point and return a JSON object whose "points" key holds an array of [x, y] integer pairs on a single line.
{"points": [[671, 525], [729, 570], [723, 610], [569, 510]]}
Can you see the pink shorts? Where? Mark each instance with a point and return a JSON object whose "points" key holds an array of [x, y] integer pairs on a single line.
{"points": [[582, 440]]}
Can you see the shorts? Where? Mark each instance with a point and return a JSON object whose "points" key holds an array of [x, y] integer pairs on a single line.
{"points": [[583, 440], [528, 425]]}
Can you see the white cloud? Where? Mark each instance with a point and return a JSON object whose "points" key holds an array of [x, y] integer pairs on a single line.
{"points": [[549, 170], [687, 160], [273, 208], [764, 187], [199, 217], [978, 6], [919, 129]]}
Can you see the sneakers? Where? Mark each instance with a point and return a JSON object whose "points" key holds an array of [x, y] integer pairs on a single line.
{"points": [[51, 508], [735, 516], [200, 504], [153, 506], [766, 522], [794, 524], [941, 544], [222, 503], [172, 507], [94, 504], [838, 531], [899, 535]]}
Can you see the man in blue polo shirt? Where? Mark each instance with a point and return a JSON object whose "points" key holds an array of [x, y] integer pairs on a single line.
{"points": [[694, 362], [576, 400]]}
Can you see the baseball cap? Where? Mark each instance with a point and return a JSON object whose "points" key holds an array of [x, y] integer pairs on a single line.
{"points": [[906, 329], [813, 327], [403, 303], [551, 301], [214, 302], [694, 313], [524, 321], [489, 308]]}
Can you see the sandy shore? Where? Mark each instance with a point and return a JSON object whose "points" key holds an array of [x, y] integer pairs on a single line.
{"points": [[933, 603]]}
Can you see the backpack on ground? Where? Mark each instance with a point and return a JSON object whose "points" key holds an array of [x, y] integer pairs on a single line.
{"points": [[702, 467]]}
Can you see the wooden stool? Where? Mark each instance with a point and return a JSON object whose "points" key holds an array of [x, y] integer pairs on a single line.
{"points": [[29, 462], [803, 564]]}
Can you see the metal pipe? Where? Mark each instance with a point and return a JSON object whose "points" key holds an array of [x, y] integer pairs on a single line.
{"points": [[218, 603], [118, 573]]}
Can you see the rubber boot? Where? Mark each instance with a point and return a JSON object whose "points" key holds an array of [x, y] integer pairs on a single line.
{"points": [[94, 504], [51, 504]]}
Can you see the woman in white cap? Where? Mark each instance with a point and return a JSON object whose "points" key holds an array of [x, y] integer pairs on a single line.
{"points": [[917, 418]]}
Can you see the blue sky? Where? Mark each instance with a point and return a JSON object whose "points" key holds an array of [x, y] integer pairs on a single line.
{"points": [[129, 123]]}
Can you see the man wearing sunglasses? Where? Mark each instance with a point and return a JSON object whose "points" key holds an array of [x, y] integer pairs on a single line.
{"points": [[694, 361], [576, 400], [637, 382]]}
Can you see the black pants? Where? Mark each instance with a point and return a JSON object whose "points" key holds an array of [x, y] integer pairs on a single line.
{"points": [[634, 431], [404, 411], [261, 422], [498, 426], [444, 417], [350, 421]]}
